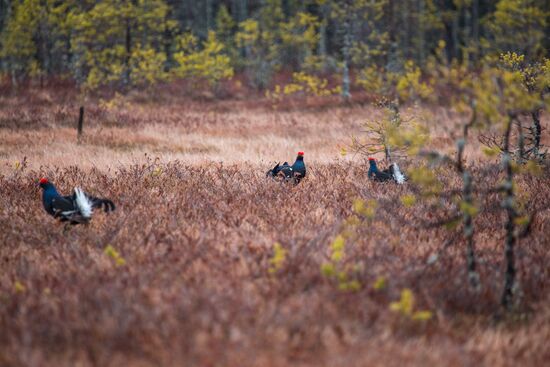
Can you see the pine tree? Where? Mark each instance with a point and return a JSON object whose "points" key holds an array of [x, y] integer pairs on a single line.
{"points": [[131, 42], [518, 26], [260, 37], [225, 33], [119, 41], [18, 46], [209, 63]]}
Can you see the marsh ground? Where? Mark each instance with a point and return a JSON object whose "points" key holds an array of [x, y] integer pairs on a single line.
{"points": [[196, 225]]}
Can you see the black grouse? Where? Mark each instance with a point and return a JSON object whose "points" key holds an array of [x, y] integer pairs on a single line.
{"points": [[392, 173], [288, 173], [280, 172], [76, 208], [299, 168]]}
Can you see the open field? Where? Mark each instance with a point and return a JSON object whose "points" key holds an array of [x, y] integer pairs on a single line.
{"points": [[41, 127], [196, 223]]}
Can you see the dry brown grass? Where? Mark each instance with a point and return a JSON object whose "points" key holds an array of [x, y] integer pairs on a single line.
{"points": [[197, 237], [185, 134]]}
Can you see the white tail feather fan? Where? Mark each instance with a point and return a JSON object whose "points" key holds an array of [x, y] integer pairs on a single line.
{"points": [[83, 203], [397, 175]]}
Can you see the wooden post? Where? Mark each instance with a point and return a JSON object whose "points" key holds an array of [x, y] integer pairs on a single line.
{"points": [[80, 123]]}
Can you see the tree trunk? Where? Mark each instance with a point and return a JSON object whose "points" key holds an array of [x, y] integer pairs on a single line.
{"points": [[455, 29], [391, 55], [242, 13], [405, 35], [322, 50], [508, 204], [127, 71], [473, 276], [209, 23], [13, 77], [346, 95], [395, 119], [421, 35], [521, 143], [68, 50], [537, 131], [5, 12], [475, 29]]}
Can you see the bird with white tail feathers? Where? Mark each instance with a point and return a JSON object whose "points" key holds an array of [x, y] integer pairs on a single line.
{"points": [[398, 176], [76, 208], [392, 173]]}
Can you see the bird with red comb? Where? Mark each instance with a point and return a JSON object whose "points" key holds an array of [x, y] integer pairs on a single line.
{"points": [[299, 168], [74, 209], [288, 173]]}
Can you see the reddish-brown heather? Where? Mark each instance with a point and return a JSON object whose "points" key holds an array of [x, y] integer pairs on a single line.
{"points": [[197, 236]]}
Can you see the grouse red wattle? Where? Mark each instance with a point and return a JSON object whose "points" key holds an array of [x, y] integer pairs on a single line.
{"points": [[76, 208], [392, 173]]}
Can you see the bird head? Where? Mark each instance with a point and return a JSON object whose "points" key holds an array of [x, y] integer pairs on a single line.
{"points": [[372, 161], [300, 156], [45, 183]]}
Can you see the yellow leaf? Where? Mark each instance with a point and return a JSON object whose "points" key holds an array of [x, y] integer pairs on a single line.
{"points": [[338, 244], [522, 221], [395, 306], [328, 270], [354, 285], [422, 316], [380, 283], [358, 206], [408, 200], [533, 168], [405, 304], [491, 152], [19, 287], [468, 208], [337, 256]]}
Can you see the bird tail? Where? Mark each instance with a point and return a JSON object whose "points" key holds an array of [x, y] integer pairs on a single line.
{"points": [[83, 203], [108, 205], [398, 175]]}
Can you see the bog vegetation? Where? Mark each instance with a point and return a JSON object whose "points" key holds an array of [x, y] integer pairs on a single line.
{"points": [[206, 261]]}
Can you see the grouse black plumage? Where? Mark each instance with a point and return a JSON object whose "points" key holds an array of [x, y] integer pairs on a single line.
{"points": [[299, 168], [76, 208], [280, 172], [392, 173], [288, 173]]}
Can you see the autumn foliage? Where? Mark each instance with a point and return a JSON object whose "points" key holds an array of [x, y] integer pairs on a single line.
{"points": [[207, 261], [211, 262]]}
